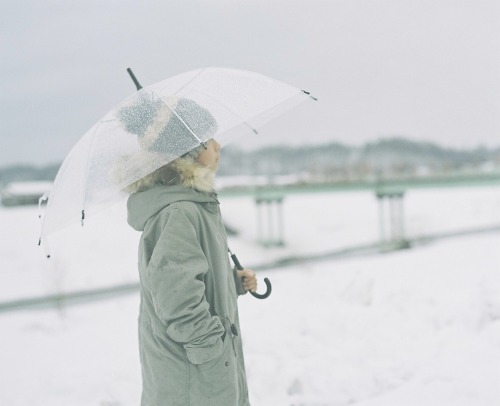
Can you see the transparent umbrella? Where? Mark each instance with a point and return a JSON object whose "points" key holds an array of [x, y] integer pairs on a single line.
{"points": [[154, 126]]}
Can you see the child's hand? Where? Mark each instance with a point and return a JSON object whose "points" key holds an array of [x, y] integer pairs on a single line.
{"points": [[248, 279]]}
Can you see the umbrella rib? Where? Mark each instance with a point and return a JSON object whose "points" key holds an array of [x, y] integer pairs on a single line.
{"points": [[191, 81], [87, 171], [227, 107], [176, 115]]}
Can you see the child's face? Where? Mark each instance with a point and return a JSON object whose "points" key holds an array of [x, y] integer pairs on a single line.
{"points": [[210, 156]]}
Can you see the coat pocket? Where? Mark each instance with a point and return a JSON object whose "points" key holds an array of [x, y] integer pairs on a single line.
{"points": [[214, 383], [214, 364], [202, 355]]}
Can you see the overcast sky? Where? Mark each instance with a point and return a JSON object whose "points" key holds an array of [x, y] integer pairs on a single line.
{"points": [[427, 70]]}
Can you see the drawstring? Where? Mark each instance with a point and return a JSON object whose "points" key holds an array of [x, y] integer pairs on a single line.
{"points": [[215, 196], [42, 199]]}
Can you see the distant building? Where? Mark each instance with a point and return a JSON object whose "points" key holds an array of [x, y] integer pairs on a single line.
{"points": [[23, 193]]}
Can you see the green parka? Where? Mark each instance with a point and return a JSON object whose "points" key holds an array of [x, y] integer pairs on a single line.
{"points": [[189, 332]]}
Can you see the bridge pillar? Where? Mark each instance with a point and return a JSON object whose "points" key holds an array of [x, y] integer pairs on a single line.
{"points": [[270, 227], [391, 219]]}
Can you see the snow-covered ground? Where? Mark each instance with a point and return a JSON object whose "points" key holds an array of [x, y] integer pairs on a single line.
{"points": [[415, 327]]}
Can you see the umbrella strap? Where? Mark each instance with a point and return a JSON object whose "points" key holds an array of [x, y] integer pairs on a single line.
{"points": [[42, 199]]}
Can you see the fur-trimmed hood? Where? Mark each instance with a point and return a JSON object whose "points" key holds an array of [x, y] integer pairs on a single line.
{"points": [[182, 171], [182, 179]]}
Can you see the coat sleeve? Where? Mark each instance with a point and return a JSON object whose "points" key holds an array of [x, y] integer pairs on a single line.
{"points": [[238, 284], [175, 272]]}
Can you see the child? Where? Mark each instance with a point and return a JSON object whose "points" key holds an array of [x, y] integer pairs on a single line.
{"points": [[189, 332]]}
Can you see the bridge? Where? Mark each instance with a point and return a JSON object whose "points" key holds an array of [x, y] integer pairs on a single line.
{"points": [[376, 184], [389, 191]]}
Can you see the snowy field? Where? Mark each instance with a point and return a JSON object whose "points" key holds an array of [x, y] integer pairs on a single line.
{"points": [[415, 327]]}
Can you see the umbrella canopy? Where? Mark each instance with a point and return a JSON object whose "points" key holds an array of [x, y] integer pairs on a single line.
{"points": [[156, 125]]}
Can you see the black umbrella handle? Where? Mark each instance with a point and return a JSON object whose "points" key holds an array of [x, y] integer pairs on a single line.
{"points": [[269, 287]]}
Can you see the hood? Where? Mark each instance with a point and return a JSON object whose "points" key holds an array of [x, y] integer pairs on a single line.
{"points": [[141, 206]]}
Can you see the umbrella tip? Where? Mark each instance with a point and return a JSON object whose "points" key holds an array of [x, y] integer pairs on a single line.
{"points": [[309, 94], [134, 79]]}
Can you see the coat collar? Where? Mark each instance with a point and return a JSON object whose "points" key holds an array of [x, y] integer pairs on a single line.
{"points": [[141, 206]]}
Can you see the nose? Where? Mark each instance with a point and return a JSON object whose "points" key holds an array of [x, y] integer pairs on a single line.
{"points": [[216, 145]]}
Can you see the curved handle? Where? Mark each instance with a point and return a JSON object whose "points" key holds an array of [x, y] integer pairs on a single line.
{"points": [[269, 287]]}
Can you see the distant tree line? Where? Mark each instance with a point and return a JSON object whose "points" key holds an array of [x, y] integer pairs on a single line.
{"points": [[23, 173], [334, 160], [331, 161]]}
